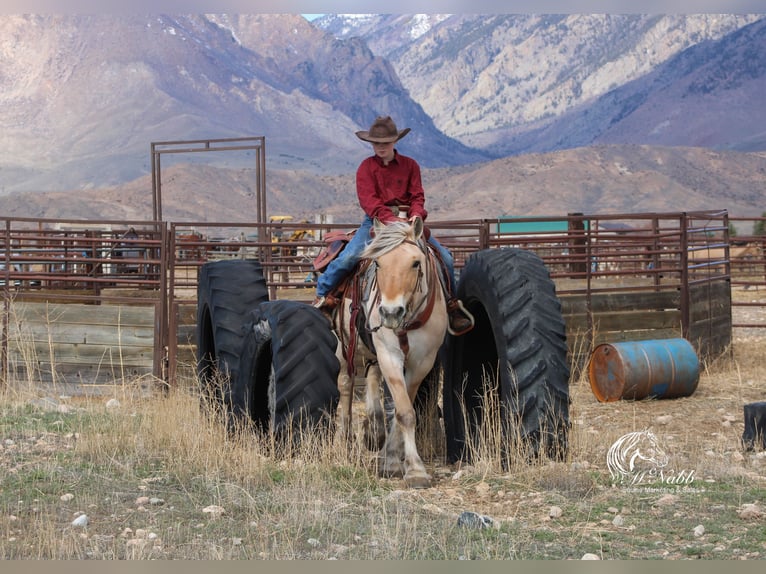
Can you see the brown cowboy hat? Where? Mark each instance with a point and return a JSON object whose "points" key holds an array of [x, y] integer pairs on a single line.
{"points": [[382, 130]]}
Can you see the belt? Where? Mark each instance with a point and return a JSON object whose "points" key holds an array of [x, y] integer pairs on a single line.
{"points": [[400, 210]]}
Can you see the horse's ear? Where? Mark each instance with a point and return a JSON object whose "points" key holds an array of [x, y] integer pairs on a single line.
{"points": [[417, 227]]}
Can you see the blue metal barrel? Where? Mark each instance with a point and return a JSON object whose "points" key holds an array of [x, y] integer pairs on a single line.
{"points": [[661, 368]]}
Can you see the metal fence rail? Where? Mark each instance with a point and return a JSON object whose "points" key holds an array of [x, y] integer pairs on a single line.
{"points": [[590, 257]]}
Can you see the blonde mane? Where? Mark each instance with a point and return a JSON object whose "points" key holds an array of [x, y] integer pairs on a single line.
{"points": [[387, 238]]}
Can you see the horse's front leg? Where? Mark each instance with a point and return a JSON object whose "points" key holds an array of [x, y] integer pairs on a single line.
{"points": [[375, 423], [400, 444]]}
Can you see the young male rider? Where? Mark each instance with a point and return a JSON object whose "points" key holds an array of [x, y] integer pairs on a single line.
{"points": [[384, 182]]}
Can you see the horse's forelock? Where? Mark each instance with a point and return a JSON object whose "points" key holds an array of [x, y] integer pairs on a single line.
{"points": [[386, 238]]}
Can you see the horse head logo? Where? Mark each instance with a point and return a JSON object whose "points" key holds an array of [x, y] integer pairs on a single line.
{"points": [[635, 453]]}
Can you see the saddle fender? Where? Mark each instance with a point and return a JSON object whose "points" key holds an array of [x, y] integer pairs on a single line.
{"points": [[335, 241]]}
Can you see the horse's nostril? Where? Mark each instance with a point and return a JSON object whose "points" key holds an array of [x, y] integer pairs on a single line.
{"points": [[392, 313]]}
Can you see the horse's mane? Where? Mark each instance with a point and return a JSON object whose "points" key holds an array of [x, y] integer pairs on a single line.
{"points": [[386, 238]]}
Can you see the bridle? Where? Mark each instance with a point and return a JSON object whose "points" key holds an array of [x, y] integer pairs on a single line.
{"points": [[416, 315]]}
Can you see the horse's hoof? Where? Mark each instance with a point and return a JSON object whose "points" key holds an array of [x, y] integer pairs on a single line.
{"points": [[391, 471], [418, 481]]}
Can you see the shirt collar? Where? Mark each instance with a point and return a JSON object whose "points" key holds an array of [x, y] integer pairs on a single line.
{"points": [[380, 161]]}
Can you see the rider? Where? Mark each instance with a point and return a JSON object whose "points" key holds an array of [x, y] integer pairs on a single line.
{"points": [[386, 181]]}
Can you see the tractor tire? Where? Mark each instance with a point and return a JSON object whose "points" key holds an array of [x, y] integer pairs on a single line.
{"points": [[512, 368], [227, 291], [289, 370]]}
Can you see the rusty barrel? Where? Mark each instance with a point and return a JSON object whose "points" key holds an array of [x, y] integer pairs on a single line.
{"points": [[661, 368]]}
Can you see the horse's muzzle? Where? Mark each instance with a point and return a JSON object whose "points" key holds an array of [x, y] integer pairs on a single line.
{"points": [[391, 317]]}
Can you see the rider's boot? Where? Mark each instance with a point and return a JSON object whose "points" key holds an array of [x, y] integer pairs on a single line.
{"points": [[460, 320], [326, 305]]}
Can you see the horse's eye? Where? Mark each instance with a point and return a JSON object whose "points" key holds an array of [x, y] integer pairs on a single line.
{"points": [[416, 265]]}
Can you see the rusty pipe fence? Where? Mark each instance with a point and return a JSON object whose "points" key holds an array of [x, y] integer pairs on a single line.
{"points": [[156, 264]]}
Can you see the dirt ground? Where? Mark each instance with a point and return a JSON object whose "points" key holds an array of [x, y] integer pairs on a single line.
{"points": [[568, 509]]}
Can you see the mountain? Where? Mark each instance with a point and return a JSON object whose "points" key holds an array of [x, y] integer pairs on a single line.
{"points": [[81, 97], [596, 179], [521, 114], [513, 84], [710, 95]]}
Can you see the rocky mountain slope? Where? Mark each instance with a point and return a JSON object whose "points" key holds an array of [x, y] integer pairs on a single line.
{"points": [[597, 179], [498, 81], [81, 98]]}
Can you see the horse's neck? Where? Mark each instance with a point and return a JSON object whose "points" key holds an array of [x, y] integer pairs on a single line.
{"points": [[367, 278]]}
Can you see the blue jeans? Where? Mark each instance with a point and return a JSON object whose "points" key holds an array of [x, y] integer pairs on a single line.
{"points": [[347, 259]]}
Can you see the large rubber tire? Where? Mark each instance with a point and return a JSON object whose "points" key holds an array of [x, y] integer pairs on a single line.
{"points": [[227, 291], [289, 368], [514, 360]]}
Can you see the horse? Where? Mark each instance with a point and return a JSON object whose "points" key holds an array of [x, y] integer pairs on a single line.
{"points": [[405, 322], [633, 453]]}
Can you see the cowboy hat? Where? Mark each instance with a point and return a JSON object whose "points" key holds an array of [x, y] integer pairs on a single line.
{"points": [[382, 130]]}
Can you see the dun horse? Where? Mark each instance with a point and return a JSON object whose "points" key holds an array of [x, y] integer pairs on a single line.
{"points": [[405, 321]]}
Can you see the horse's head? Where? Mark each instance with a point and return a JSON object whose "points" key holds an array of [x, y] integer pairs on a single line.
{"points": [[400, 259]]}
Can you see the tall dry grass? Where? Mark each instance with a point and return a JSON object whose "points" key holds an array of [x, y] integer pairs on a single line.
{"points": [[214, 494]]}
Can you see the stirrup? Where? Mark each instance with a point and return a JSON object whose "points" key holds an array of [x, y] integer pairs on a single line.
{"points": [[457, 305]]}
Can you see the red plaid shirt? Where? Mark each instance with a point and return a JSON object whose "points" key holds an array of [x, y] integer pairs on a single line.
{"points": [[379, 187]]}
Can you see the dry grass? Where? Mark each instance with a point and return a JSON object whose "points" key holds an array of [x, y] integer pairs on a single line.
{"points": [[158, 480]]}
